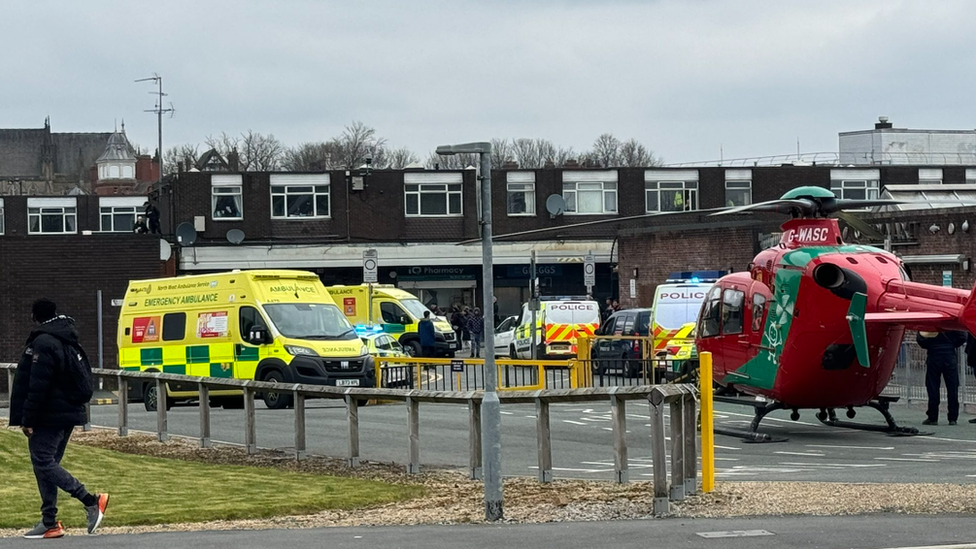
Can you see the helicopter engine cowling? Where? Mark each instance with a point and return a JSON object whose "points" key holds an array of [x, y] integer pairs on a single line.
{"points": [[843, 283]]}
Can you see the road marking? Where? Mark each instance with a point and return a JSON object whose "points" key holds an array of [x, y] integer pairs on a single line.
{"points": [[727, 447], [507, 413], [799, 454], [834, 465], [907, 459], [573, 422], [735, 534], [850, 447], [953, 546]]}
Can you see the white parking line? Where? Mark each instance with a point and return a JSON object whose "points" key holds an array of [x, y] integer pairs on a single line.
{"points": [[850, 447], [907, 459], [800, 454], [573, 422]]}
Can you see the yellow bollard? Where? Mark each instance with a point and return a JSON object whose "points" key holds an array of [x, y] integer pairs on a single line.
{"points": [[707, 417]]}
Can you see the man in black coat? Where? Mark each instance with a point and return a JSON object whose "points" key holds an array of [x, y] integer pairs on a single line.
{"points": [[47, 405], [941, 362]]}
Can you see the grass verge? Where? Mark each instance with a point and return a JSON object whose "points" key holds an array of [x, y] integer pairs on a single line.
{"points": [[153, 490]]}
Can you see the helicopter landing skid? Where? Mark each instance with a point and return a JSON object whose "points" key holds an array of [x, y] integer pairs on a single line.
{"points": [[762, 408], [828, 416]]}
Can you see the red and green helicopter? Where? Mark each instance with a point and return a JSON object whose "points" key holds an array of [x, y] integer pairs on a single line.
{"points": [[816, 323]]}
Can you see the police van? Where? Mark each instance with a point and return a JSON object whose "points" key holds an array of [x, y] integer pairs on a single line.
{"points": [[277, 326], [560, 321], [677, 303]]}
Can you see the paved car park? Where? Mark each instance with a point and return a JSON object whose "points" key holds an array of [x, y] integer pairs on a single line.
{"points": [[583, 447]]}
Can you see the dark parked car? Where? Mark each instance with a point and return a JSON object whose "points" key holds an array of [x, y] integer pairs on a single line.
{"points": [[624, 355]]}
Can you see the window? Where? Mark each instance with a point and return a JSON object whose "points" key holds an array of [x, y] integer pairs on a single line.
{"points": [[930, 176], [758, 308], [628, 327], [51, 216], [1, 216], [607, 328], [671, 196], [670, 190], [432, 199], [855, 190], [392, 313], [590, 198], [249, 316], [590, 192], [970, 176], [520, 198], [643, 324], [738, 193], [174, 326], [711, 311], [299, 196], [732, 312], [854, 184], [226, 197], [118, 214]]}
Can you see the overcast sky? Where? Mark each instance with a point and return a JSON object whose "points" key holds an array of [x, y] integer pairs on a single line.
{"points": [[687, 78]]}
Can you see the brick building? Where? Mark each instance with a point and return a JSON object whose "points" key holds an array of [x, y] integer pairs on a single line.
{"points": [[68, 266]]}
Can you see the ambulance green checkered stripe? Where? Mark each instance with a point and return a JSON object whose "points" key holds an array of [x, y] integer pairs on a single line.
{"points": [[197, 354], [175, 369], [245, 354], [132, 368], [152, 356], [217, 370]]}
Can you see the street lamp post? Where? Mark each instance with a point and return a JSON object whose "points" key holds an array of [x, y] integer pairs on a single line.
{"points": [[491, 434]]}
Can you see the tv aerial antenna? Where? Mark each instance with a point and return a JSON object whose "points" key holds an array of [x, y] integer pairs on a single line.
{"points": [[159, 110]]}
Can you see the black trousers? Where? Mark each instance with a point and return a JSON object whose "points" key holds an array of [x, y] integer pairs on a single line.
{"points": [[934, 374], [47, 446]]}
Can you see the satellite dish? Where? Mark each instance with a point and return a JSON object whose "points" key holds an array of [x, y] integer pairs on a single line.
{"points": [[186, 235], [235, 236], [165, 250], [555, 204]]}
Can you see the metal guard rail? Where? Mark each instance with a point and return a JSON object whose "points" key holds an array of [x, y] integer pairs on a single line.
{"points": [[681, 398]]}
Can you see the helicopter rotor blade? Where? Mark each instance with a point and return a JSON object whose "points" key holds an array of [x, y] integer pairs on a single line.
{"points": [[853, 204], [860, 225], [784, 205]]}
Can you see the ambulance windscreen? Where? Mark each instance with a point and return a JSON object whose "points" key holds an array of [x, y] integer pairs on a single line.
{"points": [[572, 313], [415, 307], [310, 321]]}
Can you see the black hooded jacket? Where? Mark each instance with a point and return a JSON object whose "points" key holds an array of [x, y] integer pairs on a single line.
{"points": [[942, 348], [42, 396]]}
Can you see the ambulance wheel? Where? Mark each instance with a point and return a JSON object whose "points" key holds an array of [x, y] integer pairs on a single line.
{"points": [[150, 398], [413, 348], [273, 400]]}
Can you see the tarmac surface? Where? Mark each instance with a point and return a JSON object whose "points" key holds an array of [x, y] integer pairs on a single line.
{"points": [[882, 531], [583, 446]]}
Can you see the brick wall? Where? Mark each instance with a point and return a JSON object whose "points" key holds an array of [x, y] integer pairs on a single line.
{"points": [[657, 252], [69, 270]]}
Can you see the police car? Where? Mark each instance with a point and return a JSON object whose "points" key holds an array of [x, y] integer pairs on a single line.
{"points": [[379, 344]]}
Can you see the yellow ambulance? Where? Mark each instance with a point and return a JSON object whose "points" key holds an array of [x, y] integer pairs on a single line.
{"points": [[278, 326], [397, 312]]}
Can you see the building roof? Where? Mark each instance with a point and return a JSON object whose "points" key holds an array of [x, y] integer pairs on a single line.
{"points": [[24, 151], [929, 196], [118, 149]]}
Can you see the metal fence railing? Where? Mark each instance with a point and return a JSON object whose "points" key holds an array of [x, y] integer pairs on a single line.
{"points": [[908, 378], [681, 439], [467, 374]]}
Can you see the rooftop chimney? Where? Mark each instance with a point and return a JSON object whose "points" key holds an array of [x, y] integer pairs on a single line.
{"points": [[882, 123]]}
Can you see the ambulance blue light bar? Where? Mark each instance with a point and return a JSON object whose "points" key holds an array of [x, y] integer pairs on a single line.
{"points": [[364, 330]]}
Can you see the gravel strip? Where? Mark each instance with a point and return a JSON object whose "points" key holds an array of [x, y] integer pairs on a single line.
{"points": [[452, 498]]}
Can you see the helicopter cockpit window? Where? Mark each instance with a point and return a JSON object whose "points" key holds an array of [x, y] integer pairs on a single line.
{"points": [[904, 273], [732, 312], [758, 308], [711, 311]]}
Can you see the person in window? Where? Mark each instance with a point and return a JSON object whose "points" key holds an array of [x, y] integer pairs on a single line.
{"points": [[226, 207], [152, 215], [476, 326], [941, 363], [140, 226]]}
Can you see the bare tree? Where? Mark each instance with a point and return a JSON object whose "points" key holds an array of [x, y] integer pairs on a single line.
{"points": [[606, 150], [634, 155], [452, 162], [397, 159], [256, 152], [186, 153], [357, 142], [501, 152], [307, 157]]}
